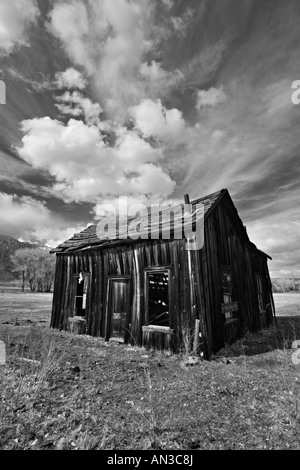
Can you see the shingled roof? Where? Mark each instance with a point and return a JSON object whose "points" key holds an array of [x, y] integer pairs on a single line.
{"points": [[89, 237]]}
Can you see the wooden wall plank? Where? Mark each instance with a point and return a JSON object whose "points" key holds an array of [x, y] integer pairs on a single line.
{"points": [[196, 290]]}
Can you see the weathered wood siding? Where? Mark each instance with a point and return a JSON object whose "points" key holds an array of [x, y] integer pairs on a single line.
{"points": [[195, 283], [225, 246], [131, 260]]}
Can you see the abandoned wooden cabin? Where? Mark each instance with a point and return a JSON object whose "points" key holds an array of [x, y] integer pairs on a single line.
{"points": [[154, 292]]}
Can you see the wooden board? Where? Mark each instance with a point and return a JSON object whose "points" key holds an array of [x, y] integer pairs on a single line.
{"points": [[231, 307]]}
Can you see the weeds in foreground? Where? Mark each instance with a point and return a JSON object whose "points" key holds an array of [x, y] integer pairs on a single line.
{"points": [[35, 360], [123, 398], [187, 342]]}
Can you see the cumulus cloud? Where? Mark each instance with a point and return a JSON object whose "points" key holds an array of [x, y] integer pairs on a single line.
{"points": [[211, 97], [278, 235], [70, 22], [127, 205], [54, 232], [107, 39], [75, 104], [168, 3], [85, 167], [30, 219], [157, 81], [154, 71], [131, 206], [151, 118], [23, 212], [139, 60], [111, 41], [16, 16], [70, 79]]}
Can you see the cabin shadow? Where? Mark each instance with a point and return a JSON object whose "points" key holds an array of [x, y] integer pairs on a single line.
{"points": [[279, 335]]}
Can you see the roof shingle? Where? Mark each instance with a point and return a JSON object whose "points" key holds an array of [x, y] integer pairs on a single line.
{"points": [[90, 237]]}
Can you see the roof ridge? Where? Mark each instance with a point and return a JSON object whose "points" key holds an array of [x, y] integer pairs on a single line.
{"points": [[89, 235]]}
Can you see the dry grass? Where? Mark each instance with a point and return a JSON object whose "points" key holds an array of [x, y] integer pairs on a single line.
{"points": [[84, 394], [80, 393], [25, 307], [287, 304]]}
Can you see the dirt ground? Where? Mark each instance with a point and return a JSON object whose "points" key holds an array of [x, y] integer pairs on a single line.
{"points": [[59, 391]]}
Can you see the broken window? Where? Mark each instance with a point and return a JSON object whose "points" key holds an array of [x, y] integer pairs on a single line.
{"points": [[157, 298], [81, 287], [226, 285]]}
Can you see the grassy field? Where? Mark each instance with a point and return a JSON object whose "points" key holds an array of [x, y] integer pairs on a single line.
{"points": [[287, 304], [18, 307], [63, 392]]}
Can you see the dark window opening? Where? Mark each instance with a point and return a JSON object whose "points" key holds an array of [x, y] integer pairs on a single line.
{"points": [[158, 298], [226, 285], [81, 284]]}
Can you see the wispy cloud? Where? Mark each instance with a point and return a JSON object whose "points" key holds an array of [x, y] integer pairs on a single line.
{"points": [[111, 41], [16, 17], [154, 99], [211, 97]]}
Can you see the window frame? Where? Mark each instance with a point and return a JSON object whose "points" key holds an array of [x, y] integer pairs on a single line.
{"points": [[165, 270], [229, 317], [86, 281]]}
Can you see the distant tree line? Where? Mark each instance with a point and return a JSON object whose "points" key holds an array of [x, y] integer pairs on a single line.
{"points": [[286, 285], [35, 268]]}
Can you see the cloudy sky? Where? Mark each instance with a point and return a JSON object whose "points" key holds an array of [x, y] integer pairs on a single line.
{"points": [[151, 99]]}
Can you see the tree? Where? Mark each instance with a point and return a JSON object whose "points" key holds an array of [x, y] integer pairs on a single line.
{"points": [[282, 285], [36, 268]]}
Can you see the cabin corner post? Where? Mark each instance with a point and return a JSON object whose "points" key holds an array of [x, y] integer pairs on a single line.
{"points": [[68, 307], [271, 295], [190, 266], [201, 312], [56, 294], [137, 320], [196, 305]]}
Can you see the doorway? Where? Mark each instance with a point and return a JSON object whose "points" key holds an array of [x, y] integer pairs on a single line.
{"points": [[119, 309]]}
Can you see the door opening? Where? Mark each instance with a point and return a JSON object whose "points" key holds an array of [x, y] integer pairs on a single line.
{"points": [[118, 309]]}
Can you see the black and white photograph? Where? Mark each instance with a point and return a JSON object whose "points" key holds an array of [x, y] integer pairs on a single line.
{"points": [[149, 227]]}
